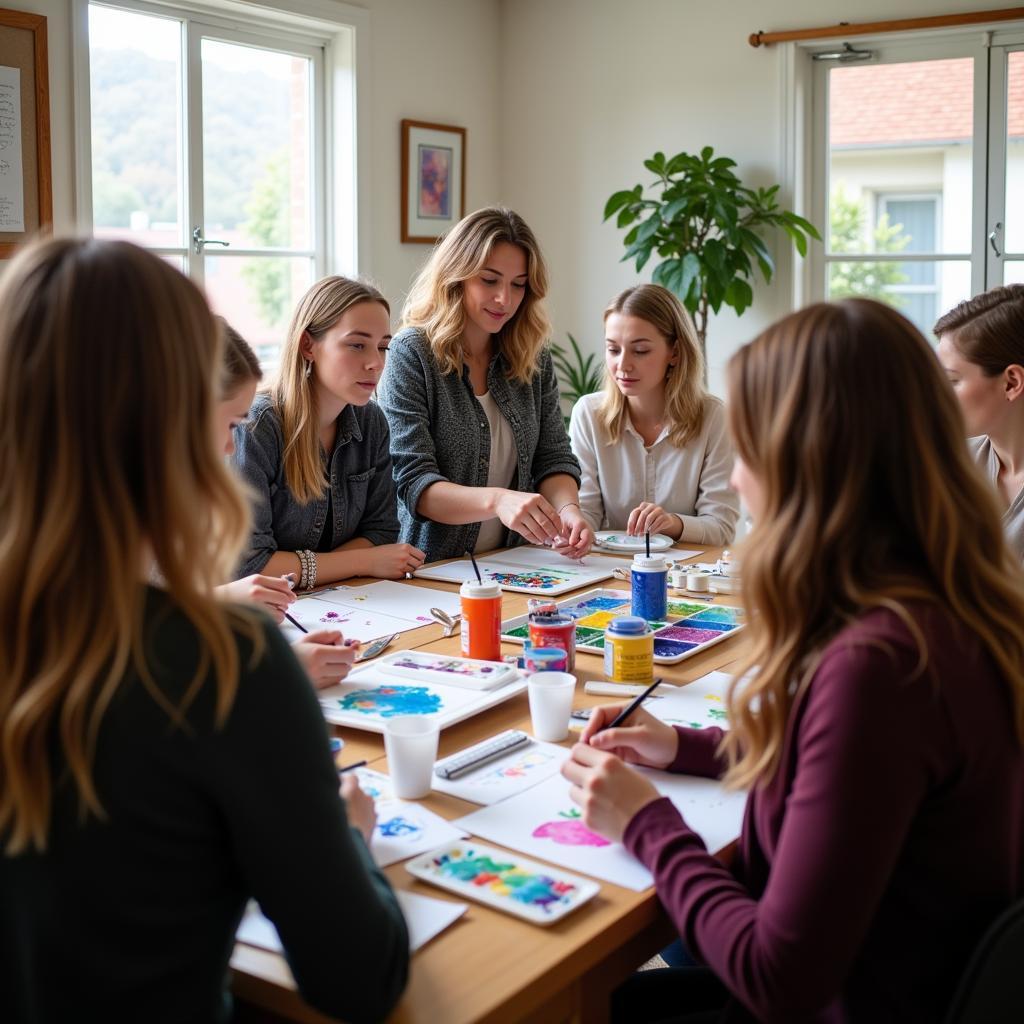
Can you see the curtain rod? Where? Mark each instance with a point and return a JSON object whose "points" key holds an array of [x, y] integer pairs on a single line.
{"points": [[846, 28]]}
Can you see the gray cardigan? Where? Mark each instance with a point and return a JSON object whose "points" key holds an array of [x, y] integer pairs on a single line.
{"points": [[362, 489], [439, 432]]}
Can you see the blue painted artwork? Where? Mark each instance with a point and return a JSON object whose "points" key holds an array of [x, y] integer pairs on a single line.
{"points": [[388, 701], [398, 826]]}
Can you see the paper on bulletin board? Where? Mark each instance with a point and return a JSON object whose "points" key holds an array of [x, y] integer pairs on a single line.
{"points": [[12, 174]]}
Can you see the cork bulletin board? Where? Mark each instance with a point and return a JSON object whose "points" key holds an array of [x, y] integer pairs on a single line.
{"points": [[26, 193]]}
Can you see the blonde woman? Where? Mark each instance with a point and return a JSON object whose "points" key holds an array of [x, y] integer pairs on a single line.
{"points": [[137, 811], [880, 733], [480, 450], [324, 654], [981, 348], [315, 448], [653, 446]]}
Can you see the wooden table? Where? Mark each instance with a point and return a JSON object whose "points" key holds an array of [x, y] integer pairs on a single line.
{"points": [[490, 967]]}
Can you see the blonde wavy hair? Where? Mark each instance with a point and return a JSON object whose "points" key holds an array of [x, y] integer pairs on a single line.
{"points": [[293, 394], [871, 500], [109, 366], [685, 394], [435, 302]]}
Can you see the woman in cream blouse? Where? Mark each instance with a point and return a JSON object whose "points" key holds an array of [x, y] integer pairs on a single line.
{"points": [[653, 448]]}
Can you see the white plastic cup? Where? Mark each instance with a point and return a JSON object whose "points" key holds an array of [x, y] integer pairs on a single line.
{"points": [[551, 696], [410, 741]]}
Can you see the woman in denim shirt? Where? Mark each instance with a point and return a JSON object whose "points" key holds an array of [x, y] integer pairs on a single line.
{"points": [[479, 445], [315, 448]]}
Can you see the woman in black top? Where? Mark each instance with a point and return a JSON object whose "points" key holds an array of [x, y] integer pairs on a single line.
{"points": [[163, 755]]}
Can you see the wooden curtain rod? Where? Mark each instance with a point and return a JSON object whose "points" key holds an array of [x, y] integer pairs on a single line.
{"points": [[846, 28]]}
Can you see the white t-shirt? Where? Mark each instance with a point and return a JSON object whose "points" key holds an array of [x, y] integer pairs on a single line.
{"points": [[691, 482], [501, 469], [1013, 518]]}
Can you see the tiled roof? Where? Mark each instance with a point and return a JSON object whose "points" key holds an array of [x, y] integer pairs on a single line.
{"points": [[916, 102]]}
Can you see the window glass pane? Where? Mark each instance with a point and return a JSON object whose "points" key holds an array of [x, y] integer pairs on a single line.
{"points": [[1013, 272], [1014, 220], [901, 128], [892, 282], [137, 171], [257, 295], [257, 163]]}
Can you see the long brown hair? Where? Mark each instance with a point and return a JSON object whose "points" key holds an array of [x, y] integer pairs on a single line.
{"points": [[109, 364], [989, 329], [685, 394], [435, 301], [240, 363], [293, 394], [870, 501]]}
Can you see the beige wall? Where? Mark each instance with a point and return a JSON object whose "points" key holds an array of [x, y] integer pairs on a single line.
{"points": [[432, 60], [592, 87]]}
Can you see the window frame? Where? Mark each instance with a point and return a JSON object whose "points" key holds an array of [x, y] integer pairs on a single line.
{"points": [[340, 33]]}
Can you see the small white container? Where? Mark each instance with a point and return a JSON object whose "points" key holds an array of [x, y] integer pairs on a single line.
{"points": [[410, 741], [551, 696]]}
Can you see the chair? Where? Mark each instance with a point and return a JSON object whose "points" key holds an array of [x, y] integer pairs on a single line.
{"points": [[991, 990]]}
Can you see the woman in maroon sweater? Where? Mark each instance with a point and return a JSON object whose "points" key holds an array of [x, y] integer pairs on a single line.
{"points": [[880, 733]]}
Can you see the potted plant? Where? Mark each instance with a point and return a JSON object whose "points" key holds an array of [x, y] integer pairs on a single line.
{"points": [[704, 225], [578, 375]]}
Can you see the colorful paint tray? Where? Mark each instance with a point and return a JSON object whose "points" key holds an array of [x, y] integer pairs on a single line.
{"points": [[505, 881], [690, 628]]}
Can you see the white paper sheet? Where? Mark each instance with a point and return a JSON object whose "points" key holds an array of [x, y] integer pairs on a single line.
{"points": [[12, 172], [506, 776], [526, 570], [405, 829], [696, 705], [366, 613], [424, 916], [544, 822]]}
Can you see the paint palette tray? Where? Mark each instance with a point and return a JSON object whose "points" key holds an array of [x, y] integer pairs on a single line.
{"points": [[688, 628], [619, 540], [449, 670], [506, 881]]}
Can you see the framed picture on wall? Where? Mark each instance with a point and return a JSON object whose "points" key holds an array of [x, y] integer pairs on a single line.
{"points": [[26, 204], [433, 179]]}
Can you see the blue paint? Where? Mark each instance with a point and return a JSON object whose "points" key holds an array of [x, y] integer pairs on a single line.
{"points": [[649, 587]]}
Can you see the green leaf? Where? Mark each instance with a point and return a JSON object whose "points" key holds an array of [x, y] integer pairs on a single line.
{"points": [[656, 165], [664, 273], [800, 222], [673, 209], [707, 153], [649, 227], [799, 238], [689, 272], [627, 216], [617, 201]]}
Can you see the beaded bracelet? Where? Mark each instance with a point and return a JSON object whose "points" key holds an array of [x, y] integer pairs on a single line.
{"points": [[311, 583], [304, 566]]}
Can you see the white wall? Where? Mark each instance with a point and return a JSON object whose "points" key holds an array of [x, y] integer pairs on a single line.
{"points": [[590, 88], [434, 60]]}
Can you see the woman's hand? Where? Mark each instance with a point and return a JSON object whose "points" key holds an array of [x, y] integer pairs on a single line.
{"points": [[270, 592], [579, 538], [325, 656], [646, 740], [391, 561], [650, 518], [360, 808], [530, 515], [608, 791]]}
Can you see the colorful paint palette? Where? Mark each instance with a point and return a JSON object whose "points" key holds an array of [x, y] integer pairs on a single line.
{"points": [[689, 627], [506, 881]]}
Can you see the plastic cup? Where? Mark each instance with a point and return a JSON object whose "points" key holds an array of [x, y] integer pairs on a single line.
{"points": [[551, 696], [410, 741]]}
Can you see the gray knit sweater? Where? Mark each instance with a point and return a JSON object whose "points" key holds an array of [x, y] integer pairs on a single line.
{"points": [[439, 432]]}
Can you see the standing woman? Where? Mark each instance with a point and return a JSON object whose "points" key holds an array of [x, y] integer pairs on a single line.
{"points": [[315, 448], [135, 818], [981, 347], [653, 446], [477, 437], [880, 730]]}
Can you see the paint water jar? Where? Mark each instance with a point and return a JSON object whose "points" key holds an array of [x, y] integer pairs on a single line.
{"points": [[649, 586], [629, 650], [554, 629], [544, 659], [481, 620]]}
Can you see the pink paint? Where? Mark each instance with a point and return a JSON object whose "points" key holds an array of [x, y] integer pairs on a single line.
{"points": [[569, 831]]}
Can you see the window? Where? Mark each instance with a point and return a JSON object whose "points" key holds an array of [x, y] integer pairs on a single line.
{"points": [[918, 166], [207, 143]]}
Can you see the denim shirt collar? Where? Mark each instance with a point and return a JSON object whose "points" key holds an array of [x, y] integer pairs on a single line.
{"points": [[348, 428]]}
